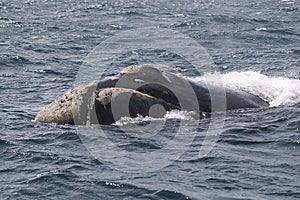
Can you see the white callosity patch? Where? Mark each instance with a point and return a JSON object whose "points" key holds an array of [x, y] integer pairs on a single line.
{"points": [[73, 105]]}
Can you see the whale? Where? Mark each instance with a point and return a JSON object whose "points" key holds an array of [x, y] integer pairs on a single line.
{"points": [[138, 90], [152, 81]]}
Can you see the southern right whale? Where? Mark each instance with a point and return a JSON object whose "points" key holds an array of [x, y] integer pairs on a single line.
{"points": [[145, 87]]}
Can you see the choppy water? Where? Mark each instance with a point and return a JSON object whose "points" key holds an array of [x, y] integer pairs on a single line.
{"points": [[255, 45]]}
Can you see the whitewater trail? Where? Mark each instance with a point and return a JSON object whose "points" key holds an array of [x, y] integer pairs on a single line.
{"points": [[278, 91]]}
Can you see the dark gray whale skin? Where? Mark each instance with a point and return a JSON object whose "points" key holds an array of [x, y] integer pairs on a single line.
{"points": [[150, 80], [139, 104]]}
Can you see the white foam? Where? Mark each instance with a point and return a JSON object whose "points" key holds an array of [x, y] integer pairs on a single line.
{"points": [[261, 29], [277, 91], [178, 114], [173, 114]]}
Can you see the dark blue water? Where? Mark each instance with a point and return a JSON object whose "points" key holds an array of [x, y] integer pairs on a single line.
{"points": [[257, 156]]}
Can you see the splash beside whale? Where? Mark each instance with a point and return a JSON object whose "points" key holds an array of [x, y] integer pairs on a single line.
{"points": [[140, 91]]}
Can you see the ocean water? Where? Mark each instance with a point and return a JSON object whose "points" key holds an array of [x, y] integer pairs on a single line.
{"points": [[255, 48]]}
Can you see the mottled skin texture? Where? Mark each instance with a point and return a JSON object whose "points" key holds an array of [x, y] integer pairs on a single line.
{"points": [[59, 111], [69, 108], [145, 87]]}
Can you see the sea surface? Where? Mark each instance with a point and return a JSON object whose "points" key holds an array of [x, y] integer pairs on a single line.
{"points": [[255, 46]]}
